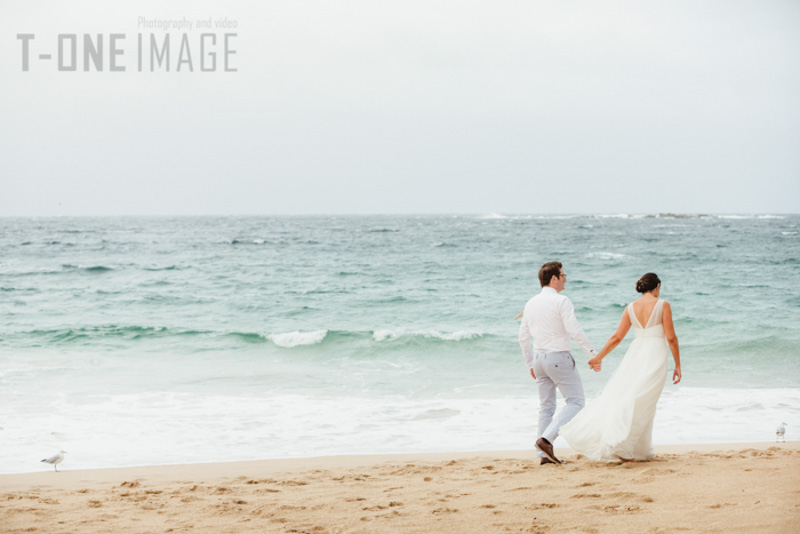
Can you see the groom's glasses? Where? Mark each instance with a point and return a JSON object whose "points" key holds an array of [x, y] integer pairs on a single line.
{"points": [[564, 276]]}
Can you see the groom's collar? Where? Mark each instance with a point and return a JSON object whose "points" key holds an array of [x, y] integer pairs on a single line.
{"points": [[548, 289]]}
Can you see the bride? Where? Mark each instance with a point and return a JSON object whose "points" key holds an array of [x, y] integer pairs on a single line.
{"points": [[618, 425]]}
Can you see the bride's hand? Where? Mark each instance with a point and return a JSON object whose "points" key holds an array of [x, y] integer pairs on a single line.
{"points": [[595, 364], [676, 375]]}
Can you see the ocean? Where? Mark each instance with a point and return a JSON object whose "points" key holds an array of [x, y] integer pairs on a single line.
{"points": [[144, 341]]}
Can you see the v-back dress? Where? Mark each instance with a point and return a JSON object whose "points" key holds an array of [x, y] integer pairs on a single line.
{"points": [[619, 423]]}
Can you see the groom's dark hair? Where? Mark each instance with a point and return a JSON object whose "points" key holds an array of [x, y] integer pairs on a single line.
{"points": [[548, 271]]}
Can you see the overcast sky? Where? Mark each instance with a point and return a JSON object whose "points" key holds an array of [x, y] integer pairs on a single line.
{"points": [[406, 106]]}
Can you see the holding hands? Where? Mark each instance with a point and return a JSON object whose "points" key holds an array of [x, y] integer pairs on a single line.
{"points": [[595, 364]]}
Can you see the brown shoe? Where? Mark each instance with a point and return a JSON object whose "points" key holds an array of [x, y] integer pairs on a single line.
{"points": [[546, 461], [547, 448]]}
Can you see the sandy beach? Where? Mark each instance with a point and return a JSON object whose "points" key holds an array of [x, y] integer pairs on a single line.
{"points": [[705, 488]]}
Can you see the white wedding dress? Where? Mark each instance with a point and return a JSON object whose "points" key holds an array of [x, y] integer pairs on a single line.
{"points": [[619, 423]]}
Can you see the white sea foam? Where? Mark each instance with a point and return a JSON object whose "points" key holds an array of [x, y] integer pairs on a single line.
{"points": [[735, 216], [620, 216], [387, 334], [394, 334], [452, 336], [294, 339], [614, 216], [169, 428], [606, 255]]}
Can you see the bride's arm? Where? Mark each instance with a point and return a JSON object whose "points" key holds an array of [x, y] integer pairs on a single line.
{"points": [[672, 339], [613, 341]]}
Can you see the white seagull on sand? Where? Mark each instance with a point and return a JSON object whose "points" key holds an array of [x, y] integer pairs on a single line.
{"points": [[55, 459], [780, 432]]}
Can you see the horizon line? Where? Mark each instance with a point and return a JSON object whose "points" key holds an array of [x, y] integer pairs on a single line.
{"points": [[487, 215]]}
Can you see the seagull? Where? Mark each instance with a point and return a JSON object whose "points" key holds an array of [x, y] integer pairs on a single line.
{"points": [[55, 459], [780, 432]]}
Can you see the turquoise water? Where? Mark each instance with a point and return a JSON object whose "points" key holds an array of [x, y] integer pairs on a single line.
{"points": [[130, 341]]}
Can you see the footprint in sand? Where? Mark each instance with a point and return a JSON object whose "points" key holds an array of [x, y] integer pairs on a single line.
{"points": [[542, 506], [304, 483], [616, 508], [375, 508]]}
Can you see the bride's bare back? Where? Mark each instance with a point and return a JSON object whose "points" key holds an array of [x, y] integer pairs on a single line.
{"points": [[643, 308]]}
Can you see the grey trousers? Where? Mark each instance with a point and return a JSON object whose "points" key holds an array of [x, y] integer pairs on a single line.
{"points": [[556, 371]]}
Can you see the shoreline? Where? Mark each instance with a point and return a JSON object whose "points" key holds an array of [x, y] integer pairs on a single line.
{"points": [[733, 487], [272, 466]]}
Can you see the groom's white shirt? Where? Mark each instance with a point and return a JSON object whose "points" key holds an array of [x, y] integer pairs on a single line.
{"points": [[550, 319]]}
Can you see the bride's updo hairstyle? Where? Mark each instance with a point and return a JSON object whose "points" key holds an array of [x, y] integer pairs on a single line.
{"points": [[647, 283]]}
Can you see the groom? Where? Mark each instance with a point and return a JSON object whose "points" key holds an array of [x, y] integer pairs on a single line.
{"points": [[550, 319]]}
